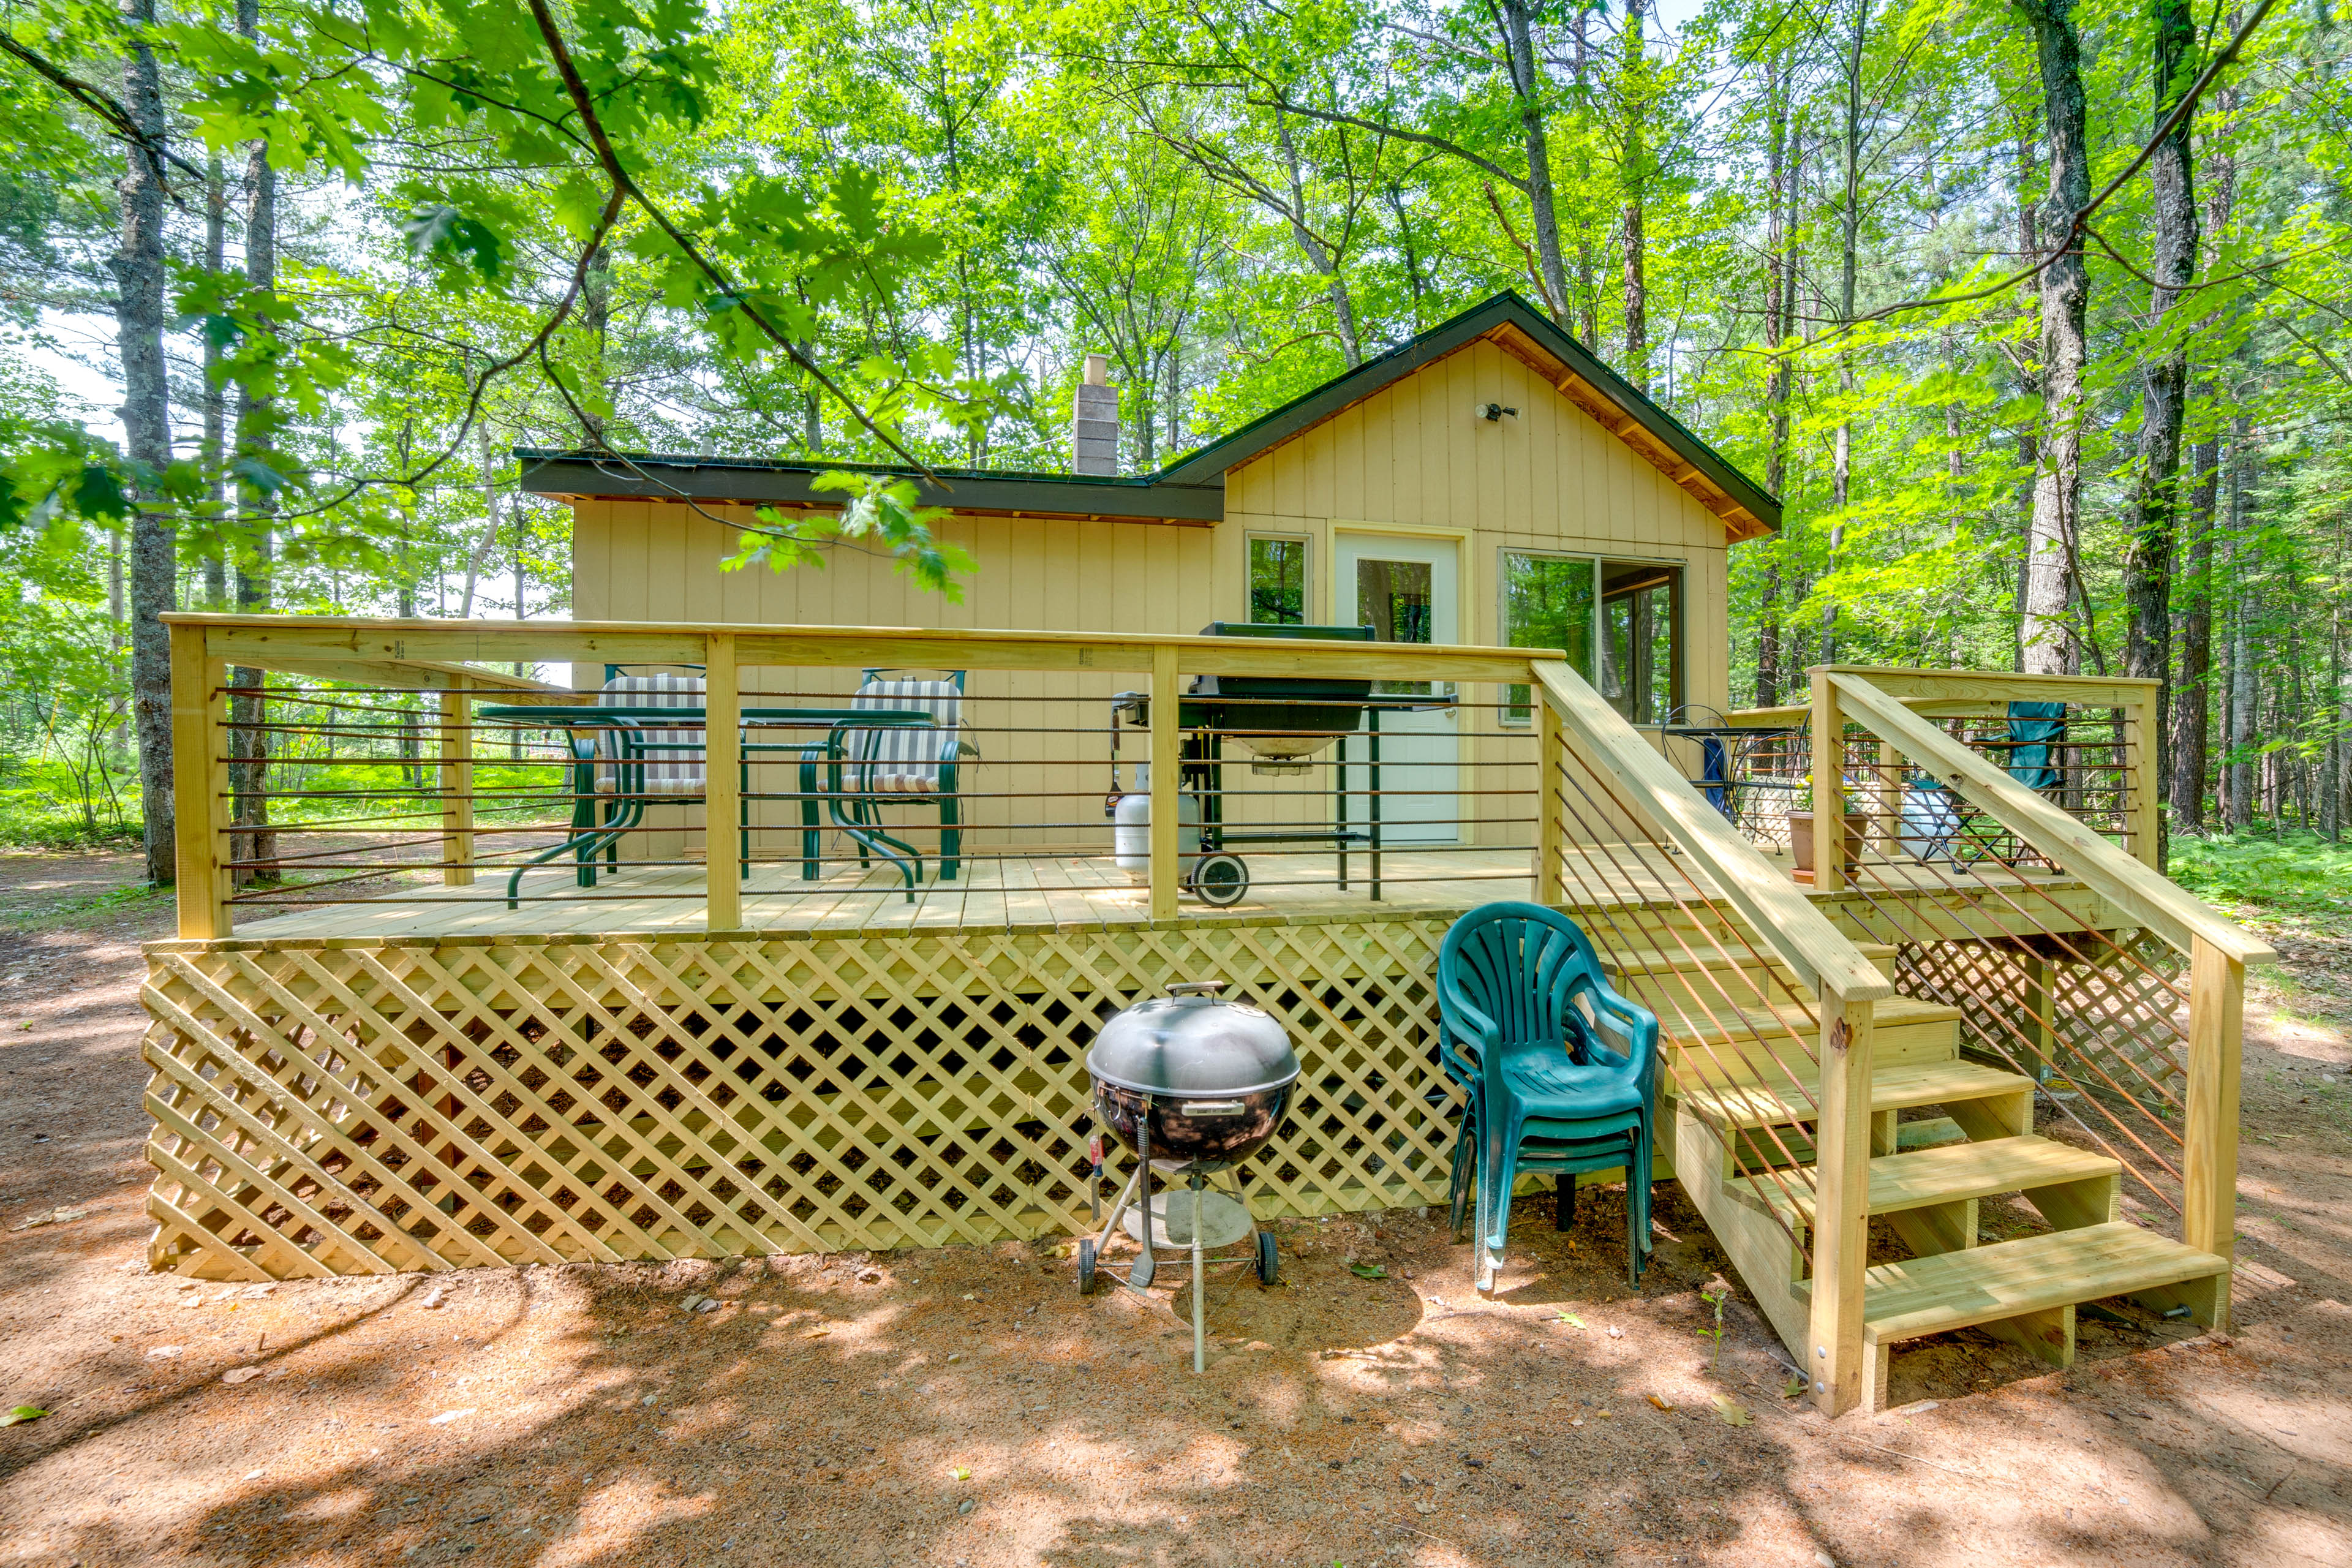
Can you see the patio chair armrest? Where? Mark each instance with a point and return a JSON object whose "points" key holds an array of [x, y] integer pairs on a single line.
{"points": [[1640, 1025], [1457, 1013]]}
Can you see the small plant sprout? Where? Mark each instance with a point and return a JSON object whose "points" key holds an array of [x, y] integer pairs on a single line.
{"points": [[959, 1474], [1715, 1299]]}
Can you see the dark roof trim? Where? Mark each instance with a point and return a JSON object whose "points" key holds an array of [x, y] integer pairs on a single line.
{"points": [[1505, 308], [675, 477]]}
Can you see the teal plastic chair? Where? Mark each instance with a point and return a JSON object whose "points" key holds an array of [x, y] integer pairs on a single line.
{"points": [[1562, 1072]]}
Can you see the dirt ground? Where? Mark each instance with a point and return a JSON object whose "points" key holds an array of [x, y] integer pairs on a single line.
{"points": [[966, 1409]]}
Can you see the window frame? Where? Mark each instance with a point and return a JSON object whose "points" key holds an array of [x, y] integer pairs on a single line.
{"points": [[1503, 555], [1305, 542]]}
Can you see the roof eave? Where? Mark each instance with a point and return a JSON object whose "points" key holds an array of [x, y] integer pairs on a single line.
{"points": [[720, 481]]}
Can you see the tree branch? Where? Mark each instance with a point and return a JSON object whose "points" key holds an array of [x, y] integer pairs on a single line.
{"points": [[623, 182]]}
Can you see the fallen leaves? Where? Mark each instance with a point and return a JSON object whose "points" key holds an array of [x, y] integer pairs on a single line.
{"points": [[1570, 1318], [236, 1375], [54, 1216], [1368, 1271], [1796, 1386], [1658, 1402], [22, 1413], [1731, 1412]]}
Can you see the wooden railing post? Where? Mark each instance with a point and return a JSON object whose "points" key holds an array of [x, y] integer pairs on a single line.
{"points": [[1166, 866], [1841, 1200], [722, 789], [199, 785], [456, 756], [2143, 788], [2209, 1177], [1829, 783], [1544, 886]]}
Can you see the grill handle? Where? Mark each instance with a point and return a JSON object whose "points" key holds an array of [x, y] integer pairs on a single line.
{"points": [[1204, 1108], [1196, 988]]}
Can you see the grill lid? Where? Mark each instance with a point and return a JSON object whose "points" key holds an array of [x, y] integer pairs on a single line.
{"points": [[1192, 1043]]}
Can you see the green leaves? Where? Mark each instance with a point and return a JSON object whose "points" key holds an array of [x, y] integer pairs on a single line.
{"points": [[881, 518], [22, 1413], [442, 234], [1368, 1271]]}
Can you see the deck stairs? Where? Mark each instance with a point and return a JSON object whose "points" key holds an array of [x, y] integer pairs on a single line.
{"points": [[1945, 1134]]}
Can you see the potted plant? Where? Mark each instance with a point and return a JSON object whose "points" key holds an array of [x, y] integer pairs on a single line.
{"points": [[1801, 832]]}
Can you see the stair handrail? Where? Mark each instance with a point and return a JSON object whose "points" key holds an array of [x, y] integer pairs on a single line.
{"points": [[2150, 900], [1822, 956]]}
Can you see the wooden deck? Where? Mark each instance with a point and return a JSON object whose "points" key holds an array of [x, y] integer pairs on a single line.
{"points": [[1075, 890]]}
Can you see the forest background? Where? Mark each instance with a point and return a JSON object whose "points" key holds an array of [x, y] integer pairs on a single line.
{"points": [[2032, 312]]}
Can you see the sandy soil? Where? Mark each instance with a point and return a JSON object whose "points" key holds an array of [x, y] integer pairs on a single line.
{"points": [[967, 1407]]}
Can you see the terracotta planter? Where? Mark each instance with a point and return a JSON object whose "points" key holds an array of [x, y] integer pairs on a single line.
{"points": [[1800, 839]]}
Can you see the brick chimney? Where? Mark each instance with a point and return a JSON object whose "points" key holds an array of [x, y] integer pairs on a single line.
{"points": [[1094, 425]]}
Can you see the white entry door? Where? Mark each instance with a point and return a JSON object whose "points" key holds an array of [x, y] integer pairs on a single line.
{"points": [[1409, 591]]}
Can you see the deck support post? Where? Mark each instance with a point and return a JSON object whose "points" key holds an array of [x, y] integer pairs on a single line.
{"points": [[2041, 1011], [1166, 766], [1546, 882], [2209, 1177], [1835, 1362], [1829, 785], [199, 785], [456, 759], [722, 788]]}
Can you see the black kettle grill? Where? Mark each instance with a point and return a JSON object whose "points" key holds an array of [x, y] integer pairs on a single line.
{"points": [[1193, 1086]]}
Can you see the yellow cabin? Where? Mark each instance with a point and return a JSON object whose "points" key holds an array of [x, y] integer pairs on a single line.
{"points": [[1518, 485], [1489, 482]]}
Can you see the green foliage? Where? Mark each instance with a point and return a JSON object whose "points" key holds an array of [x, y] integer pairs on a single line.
{"points": [[2261, 873], [881, 517]]}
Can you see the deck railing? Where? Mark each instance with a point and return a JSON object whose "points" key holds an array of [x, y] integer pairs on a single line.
{"points": [[1007, 771], [2130, 1021]]}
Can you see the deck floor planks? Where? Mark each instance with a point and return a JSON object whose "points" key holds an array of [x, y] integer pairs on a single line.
{"points": [[1045, 889]]}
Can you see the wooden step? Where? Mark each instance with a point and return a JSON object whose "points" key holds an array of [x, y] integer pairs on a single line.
{"points": [[2036, 1282], [1899, 1021], [1946, 1175], [1713, 953], [1891, 1089]]}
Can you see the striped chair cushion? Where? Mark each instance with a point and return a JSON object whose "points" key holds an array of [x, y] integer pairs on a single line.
{"points": [[666, 772], [903, 759]]}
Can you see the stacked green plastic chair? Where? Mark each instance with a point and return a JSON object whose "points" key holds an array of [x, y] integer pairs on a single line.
{"points": [[1561, 1071]]}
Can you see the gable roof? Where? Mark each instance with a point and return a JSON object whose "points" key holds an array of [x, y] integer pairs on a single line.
{"points": [[1191, 489], [1529, 336]]}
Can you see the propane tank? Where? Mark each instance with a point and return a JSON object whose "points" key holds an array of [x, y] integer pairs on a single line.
{"points": [[1130, 834]]}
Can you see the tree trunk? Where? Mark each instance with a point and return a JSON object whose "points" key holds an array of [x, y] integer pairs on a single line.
{"points": [[1779, 283], [1319, 256], [2051, 644], [2242, 665], [214, 395], [1588, 285], [1637, 288], [2148, 556], [596, 320], [138, 267], [248, 743], [2190, 717], [1525, 82]]}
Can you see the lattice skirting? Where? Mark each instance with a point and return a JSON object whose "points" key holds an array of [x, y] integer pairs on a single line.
{"points": [[336, 1107]]}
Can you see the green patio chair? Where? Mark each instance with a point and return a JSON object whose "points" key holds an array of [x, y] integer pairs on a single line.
{"points": [[1562, 1071], [870, 766]]}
